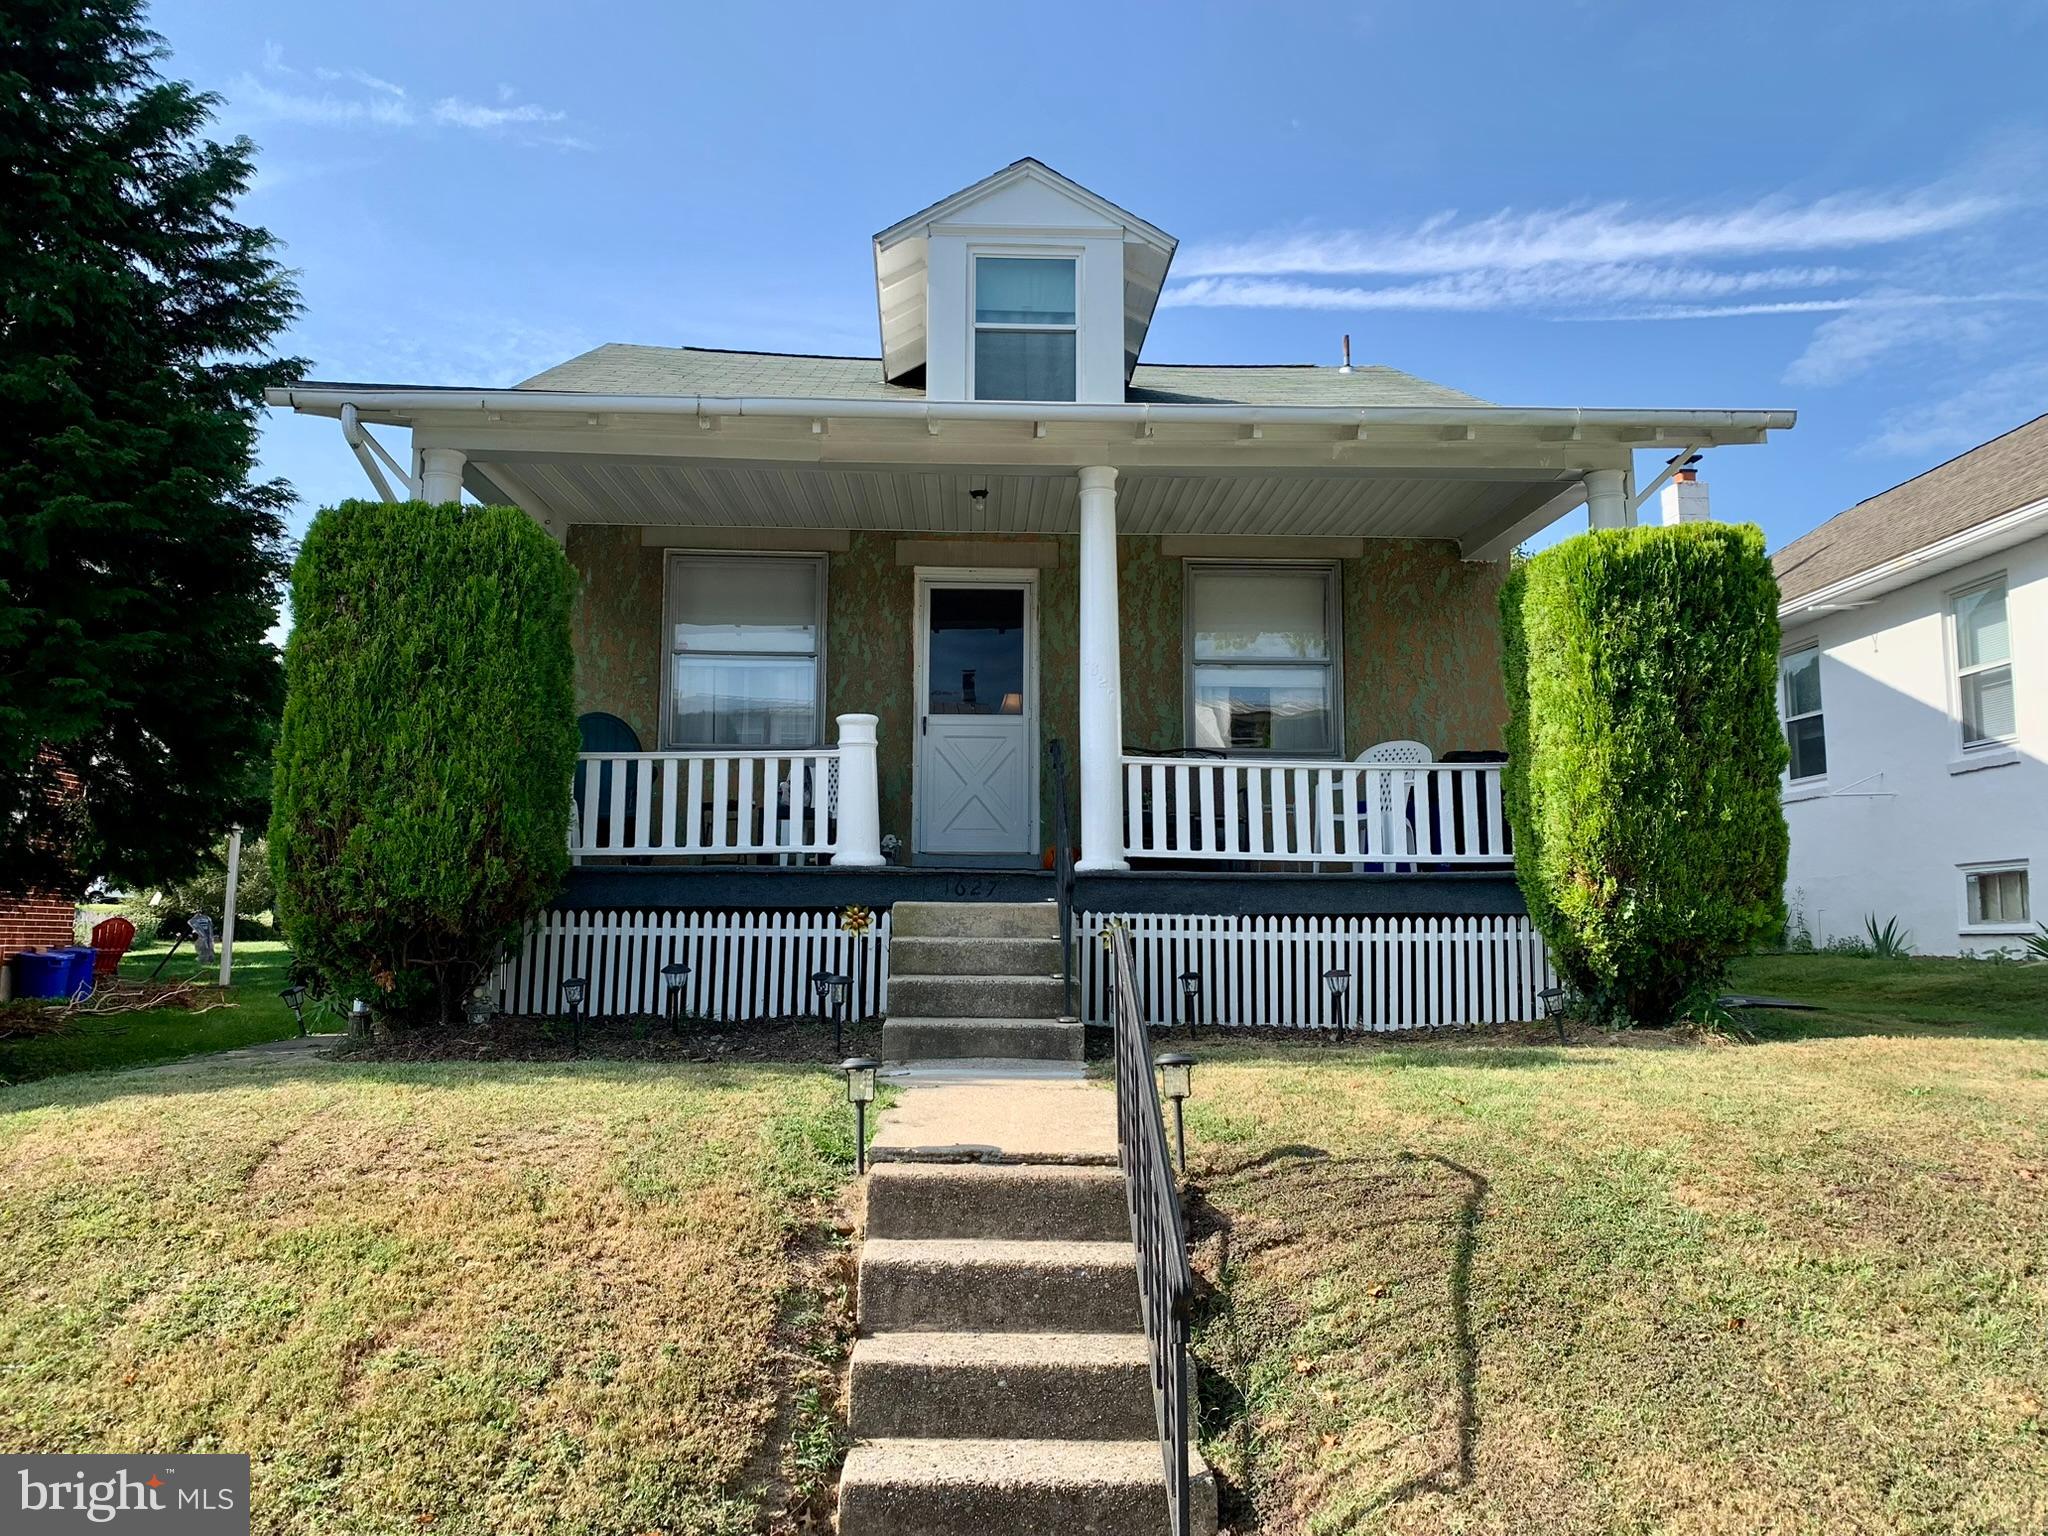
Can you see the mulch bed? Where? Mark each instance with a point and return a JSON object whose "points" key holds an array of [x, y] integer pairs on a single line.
{"points": [[525, 1037]]}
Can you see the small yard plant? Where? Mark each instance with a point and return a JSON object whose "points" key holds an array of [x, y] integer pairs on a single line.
{"points": [[1888, 940]]}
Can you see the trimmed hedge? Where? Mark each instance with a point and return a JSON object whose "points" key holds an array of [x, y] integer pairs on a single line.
{"points": [[421, 798], [1644, 754]]}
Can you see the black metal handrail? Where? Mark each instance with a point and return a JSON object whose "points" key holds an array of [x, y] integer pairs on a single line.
{"points": [[1063, 868], [1164, 1280]]}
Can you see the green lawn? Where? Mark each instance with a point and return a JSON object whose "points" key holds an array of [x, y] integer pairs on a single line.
{"points": [[472, 1299], [1640, 1283], [136, 1039]]}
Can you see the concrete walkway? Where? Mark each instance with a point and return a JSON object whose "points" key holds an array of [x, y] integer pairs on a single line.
{"points": [[997, 1112]]}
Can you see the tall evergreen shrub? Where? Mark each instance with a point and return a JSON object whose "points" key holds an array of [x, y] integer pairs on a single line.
{"points": [[421, 800], [1644, 751]]}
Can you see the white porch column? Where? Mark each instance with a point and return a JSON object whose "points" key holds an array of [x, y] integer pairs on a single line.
{"points": [[1102, 726], [441, 474], [1607, 499], [860, 794]]}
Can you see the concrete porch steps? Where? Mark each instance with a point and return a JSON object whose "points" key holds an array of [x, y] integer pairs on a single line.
{"points": [[1000, 1383], [975, 920], [917, 956], [946, 1039]]}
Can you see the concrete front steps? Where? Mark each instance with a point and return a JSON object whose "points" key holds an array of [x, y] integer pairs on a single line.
{"points": [[1000, 1383], [977, 980]]}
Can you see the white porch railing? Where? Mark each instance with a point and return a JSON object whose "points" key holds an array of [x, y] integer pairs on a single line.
{"points": [[731, 802], [1270, 810]]}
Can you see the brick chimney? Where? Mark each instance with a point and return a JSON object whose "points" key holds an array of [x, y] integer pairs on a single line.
{"points": [[1684, 497]]}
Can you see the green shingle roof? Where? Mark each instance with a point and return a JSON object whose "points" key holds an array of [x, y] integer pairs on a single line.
{"points": [[618, 368]]}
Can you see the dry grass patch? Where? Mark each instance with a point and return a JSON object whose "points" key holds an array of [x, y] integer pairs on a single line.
{"points": [[1800, 1285], [585, 1298]]}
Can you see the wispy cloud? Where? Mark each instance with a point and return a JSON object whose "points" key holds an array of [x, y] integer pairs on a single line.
{"points": [[1530, 288], [285, 95], [1598, 236], [1973, 412]]}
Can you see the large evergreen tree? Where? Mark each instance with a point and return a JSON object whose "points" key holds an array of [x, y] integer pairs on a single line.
{"points": [[140, 567]]}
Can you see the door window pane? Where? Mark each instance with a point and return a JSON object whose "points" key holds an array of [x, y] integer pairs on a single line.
{"points": [[1264, 709], [1023, 365], [975, 664], [1024, 290]]}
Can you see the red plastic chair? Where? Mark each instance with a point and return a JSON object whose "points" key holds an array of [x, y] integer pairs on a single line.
{"points": [[110, 941]]}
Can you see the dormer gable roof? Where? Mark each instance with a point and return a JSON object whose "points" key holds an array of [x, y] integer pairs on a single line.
{"points": [[1026, 194]]}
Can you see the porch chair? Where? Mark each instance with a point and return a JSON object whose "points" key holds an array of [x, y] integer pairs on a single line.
{"points": [[600, 732], [1379, 819], [110, 941]]}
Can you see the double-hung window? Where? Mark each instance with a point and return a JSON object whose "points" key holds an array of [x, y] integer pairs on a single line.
{"points": [[1983, 649], [1262, 659], [744, 650], [1799, 706], [1024, 328]]}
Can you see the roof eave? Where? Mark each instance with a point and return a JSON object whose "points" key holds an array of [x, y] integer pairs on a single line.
{"points": [[1943, 554]]}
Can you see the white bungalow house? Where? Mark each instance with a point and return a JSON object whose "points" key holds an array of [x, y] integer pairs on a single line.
{"points": [[1914, 690], [836, 612]]}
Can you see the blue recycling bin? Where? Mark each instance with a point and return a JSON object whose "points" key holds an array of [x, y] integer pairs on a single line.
{"points": [[41, 973], [78, 978]]}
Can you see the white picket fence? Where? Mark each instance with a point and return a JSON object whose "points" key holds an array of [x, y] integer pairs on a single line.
{"points": [[1406, 972], [743, 965], [1385, 819]]}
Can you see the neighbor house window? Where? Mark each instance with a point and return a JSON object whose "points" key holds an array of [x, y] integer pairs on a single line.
{"points": [[1262, 658], [744, 637], [1024, 328], [1995, 896], [1799, 683], [1984, 665]]}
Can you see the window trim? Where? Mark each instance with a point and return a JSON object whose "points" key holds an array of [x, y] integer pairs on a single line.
{"points": [[1786, 718], [1994, 867], [1332, 572], [1957, 672], [975, 326], [671, 559]]}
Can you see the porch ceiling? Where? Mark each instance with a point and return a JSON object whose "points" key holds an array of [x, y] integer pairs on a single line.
{"points": [[1469, 506]]}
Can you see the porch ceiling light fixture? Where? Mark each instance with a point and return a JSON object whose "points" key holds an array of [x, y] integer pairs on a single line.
{"points": [[860, 1092], [295, 999], [1190, 999], [832, 988], [1177, 1082], [575, 991], [1337, 982]]}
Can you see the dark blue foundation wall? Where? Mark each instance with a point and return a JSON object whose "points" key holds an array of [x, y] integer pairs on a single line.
{"points": [[699, 887]]}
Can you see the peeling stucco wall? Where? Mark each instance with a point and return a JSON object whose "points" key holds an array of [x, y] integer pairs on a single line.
{"points": [[616, 627], [1421, 647]]}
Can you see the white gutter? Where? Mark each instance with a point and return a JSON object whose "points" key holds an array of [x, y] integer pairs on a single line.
{"points": [[1691, 426], [2001, 532]]}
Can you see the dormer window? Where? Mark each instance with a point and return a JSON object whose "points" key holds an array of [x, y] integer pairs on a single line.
{"points": [[1024, 328]]}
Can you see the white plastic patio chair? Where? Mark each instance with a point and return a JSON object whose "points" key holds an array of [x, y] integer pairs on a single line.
{"points": [[1391, 754]]}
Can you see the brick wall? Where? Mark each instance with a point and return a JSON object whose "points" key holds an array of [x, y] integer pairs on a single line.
{"points": [[34, 922]]}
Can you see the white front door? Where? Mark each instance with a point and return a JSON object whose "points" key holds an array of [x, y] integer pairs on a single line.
{"points": [[977, 750]]}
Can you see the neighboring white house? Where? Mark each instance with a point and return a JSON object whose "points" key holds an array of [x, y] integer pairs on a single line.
{"points": [[1914, 688]]}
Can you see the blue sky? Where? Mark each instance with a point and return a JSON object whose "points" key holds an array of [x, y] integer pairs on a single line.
{"points": [[1836, 208]]}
